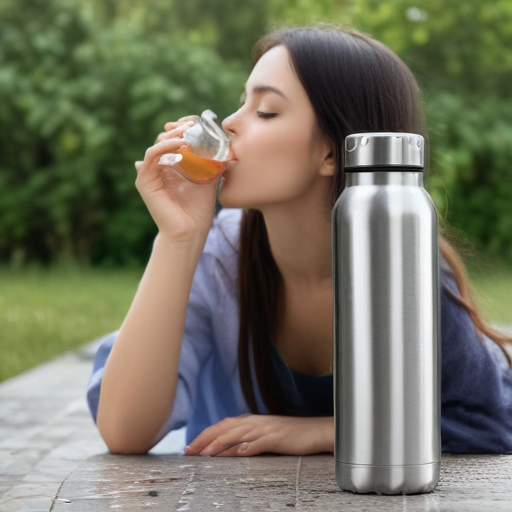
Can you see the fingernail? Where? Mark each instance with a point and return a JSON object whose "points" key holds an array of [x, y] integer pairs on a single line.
{"points": [[205, 453], [243, 447], [187, 449]]}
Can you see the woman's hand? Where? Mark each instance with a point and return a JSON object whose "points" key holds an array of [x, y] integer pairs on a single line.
{"points": [[182, 210], [252, 434]]}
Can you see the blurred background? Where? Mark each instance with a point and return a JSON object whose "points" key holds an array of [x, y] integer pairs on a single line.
{"points": [[85, 86]]}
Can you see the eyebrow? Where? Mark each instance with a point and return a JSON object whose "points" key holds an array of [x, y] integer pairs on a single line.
{"points": [[261, 89]]}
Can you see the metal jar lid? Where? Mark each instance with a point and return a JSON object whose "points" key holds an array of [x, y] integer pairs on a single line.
{"points": [[384, 149]]}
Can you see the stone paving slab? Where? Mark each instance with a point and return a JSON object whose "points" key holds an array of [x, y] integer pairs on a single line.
{"points": [[50, 448], [469, 483], [46, 431]]}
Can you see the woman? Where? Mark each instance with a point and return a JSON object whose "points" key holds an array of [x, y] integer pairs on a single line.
{"points": [[230, 331]]}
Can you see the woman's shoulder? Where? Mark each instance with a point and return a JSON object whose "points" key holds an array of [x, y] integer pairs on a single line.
{"points": [[222, 242]]}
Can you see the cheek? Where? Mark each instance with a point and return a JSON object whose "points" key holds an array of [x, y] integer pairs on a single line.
{"points": [[273, 168]]}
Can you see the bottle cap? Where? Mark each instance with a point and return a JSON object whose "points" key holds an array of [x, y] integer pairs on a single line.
{"points": [[384, 149]]}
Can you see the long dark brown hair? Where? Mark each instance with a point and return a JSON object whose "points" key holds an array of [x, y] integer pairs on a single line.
{"points": [[355, 84]]}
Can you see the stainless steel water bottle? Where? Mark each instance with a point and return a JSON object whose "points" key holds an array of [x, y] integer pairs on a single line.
{"points": [[386, 319]]}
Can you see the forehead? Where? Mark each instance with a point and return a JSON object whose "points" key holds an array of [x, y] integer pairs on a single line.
{"points": [[275, 69]]}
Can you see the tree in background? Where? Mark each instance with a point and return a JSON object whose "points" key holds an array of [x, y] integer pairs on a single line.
{"points": [[462, 54], [84, 89], [86, 84], [231, 27], [304, 12]]}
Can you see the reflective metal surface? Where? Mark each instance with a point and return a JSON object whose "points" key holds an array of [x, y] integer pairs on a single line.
{"points": [[384, 149], [386, 332], [388, 479]]}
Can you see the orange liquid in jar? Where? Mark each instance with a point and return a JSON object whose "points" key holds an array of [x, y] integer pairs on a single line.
{"points": [[198, 168]]}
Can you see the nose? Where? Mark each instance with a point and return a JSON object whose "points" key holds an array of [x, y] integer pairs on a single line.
{"points": [[229, 125]]}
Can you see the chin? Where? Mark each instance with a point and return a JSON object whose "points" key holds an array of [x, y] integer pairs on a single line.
{"points": [[236, 191], [256, 195], [226, 202], [229, 198]]}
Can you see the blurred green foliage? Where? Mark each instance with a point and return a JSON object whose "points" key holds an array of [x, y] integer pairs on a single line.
{"points": [[461, 53], [83, 92], [85, 86], [305, 12]]}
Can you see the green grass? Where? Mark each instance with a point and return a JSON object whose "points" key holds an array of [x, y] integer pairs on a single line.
{"points": [[45, 312]]}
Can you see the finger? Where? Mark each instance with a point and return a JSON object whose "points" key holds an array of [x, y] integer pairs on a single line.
{"points": [[246, 449], [235, 437], [216, 447], [138, 165], [204, 439], [171, 125], [206, 443], [174, 132], [154, 153], [211, 433], [228, 430]]}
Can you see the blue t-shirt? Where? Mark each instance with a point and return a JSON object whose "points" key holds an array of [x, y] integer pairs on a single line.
{"points": [[310, 395], [476, 384]]}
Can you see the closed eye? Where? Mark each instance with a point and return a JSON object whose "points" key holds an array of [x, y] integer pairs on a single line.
{"points": [[266, 115]]}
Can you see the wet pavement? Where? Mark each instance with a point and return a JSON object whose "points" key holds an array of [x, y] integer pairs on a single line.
{"points": [[46, 431], [269, 483], [52, 458]]}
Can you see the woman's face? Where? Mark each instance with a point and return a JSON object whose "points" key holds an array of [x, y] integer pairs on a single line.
{"points": [[281, 154]]}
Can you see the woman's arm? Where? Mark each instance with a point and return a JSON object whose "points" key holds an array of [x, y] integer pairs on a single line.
{"points": [[140, 376]]}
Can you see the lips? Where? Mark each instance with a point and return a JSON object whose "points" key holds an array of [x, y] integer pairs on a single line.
{"points": [[232, 159]]}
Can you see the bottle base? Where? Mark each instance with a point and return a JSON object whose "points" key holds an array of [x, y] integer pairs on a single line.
{"points": [[365, 478]]}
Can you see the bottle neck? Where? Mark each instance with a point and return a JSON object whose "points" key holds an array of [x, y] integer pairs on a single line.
{"points": [[406, 177]]}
